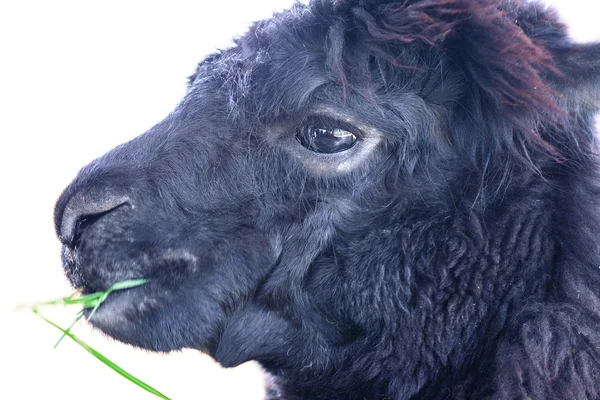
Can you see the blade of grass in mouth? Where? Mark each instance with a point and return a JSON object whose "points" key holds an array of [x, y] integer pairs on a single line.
{"points": [[94, 301], [104, 360]]}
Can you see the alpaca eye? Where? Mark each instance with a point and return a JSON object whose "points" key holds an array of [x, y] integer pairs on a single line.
{"points": [[324, 139]]}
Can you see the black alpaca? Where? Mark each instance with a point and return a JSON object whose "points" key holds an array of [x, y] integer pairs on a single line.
{"points": [[373, 199]]}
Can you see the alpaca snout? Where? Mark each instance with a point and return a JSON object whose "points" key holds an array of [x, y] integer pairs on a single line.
{"points": [[82, 209]]}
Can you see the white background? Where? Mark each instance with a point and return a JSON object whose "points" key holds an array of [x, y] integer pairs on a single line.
{"points": [[76, 79]]}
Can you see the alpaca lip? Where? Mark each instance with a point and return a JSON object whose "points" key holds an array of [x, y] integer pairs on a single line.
{"points": [[110, 311], [74, 273], [118, 300], [88, 273], [71, 267], [89, 288]]}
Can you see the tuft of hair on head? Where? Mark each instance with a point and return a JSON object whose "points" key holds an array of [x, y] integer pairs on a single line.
{"points": [[515, 57]]}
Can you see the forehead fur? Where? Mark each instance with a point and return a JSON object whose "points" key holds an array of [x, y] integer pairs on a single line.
{"points": [[438, 49]]}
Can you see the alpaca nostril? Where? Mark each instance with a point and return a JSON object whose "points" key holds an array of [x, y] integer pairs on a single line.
{"points": [[81, 212]]}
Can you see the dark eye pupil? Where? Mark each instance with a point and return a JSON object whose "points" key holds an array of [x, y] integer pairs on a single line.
{"points": [[325, 140]]}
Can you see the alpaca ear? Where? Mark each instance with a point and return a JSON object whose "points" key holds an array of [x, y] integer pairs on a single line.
{"points": [[579, 82]]}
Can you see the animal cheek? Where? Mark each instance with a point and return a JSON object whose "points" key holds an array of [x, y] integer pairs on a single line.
{"points": [[253, 334]]}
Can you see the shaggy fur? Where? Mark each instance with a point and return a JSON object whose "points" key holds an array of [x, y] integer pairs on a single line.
{"points": [[451, 253]]}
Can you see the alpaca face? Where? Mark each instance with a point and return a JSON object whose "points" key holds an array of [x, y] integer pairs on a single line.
{"points": [[298, 205], [223, 215], [226, 211]]}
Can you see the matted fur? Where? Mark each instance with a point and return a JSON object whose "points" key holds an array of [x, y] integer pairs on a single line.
{"points": [[453, 253]]}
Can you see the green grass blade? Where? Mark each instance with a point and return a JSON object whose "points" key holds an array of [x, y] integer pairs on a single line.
{"points": [[128, 284], [100, 300], [92, 300], [77, 318], [85, 301], [103, 359]]}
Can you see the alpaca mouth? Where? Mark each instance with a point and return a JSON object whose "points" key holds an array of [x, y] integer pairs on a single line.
{"points": [[119, 304], [140, 315], [90, 275]]}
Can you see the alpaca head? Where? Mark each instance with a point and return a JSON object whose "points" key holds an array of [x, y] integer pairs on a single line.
{"points": [[288, 209]]}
